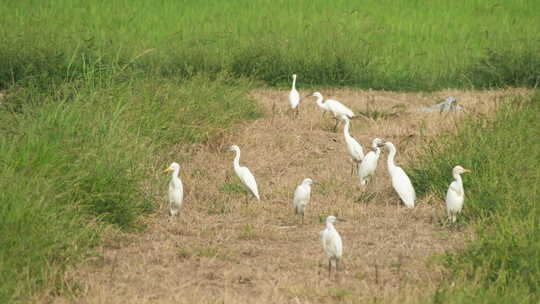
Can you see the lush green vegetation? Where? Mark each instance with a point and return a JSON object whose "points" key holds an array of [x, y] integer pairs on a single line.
{"points": [[502, 265], [91, 92], [376, 44]]}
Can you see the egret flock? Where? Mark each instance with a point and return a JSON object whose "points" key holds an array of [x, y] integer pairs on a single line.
{"points": [[365, 165]]}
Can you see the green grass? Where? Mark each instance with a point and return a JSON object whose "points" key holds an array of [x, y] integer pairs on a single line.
{"points": [[502, 264], [404, 45]]}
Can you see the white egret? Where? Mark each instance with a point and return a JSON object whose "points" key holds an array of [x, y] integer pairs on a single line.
{"points": [[400, 181], [244, 174], [331, 242], [294, 97], [301, 197], [455, 194], [366, 169], [356, 153], [339, 111], [176, 190]]}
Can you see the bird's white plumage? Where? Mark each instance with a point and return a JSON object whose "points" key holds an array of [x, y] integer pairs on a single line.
{"points": [[244, 174], [368, 166], [455, 196], [301, 197], [294, 97], [176, 190], [400, 181], [331, 241], [339, 111], [356, 153]]}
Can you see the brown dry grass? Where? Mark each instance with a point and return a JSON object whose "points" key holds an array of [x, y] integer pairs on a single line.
{"points": [[223, 250]]}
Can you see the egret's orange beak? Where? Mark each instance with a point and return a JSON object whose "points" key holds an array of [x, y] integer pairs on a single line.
{"points": [[167, 170], [467, 171]]}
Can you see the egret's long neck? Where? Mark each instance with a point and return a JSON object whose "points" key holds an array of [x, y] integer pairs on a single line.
{"points": [[346, 128], [320, 102], [236, 161], [294, 83], [458, 179], [391, 155]]}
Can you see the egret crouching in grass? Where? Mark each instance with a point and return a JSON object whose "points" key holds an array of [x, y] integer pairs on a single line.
{"points": [[366, 169], [244, 174], [301, 197], [176, 190], [339, 111], [294, 97], [356, 153], [400, 181], [455, 194], [331, 242]]}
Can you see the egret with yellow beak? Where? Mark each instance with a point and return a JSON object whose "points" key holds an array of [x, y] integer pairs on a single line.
{"points": [[176, 190], [455, 196]]}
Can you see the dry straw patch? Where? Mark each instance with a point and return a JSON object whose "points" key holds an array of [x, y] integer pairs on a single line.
{"points": [[223, 250]]}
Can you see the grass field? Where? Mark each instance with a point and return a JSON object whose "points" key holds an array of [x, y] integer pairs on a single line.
{"points": [[95, 94], [225, 250], [75, 160], [369, 44], [503, 264]]}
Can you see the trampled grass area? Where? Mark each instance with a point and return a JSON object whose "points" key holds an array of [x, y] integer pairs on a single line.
{"points": [[502, 265], [223, 249], [370, 44]]}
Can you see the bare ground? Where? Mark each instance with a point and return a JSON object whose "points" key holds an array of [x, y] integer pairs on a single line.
{"points": [[222, 250]]}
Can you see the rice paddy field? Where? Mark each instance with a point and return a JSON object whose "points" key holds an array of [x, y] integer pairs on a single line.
{"points": [[405, 45], [98, 97]]}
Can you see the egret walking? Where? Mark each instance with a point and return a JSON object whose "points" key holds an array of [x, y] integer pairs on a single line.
{"points": [[366, 169], [294, 97], [301, 197], [400, 181], [339, 111], [331, 242], [244, 174], [176, 190], [455, 194], [356, 153]]}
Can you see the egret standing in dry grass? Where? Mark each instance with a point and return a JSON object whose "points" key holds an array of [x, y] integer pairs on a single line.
{"points": [[176, 190], [400, 181], [455, 195], [331, 242], [339, 111], [356, 153], [366, 169], [294, 97], [244, 174], [302, 194]]}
